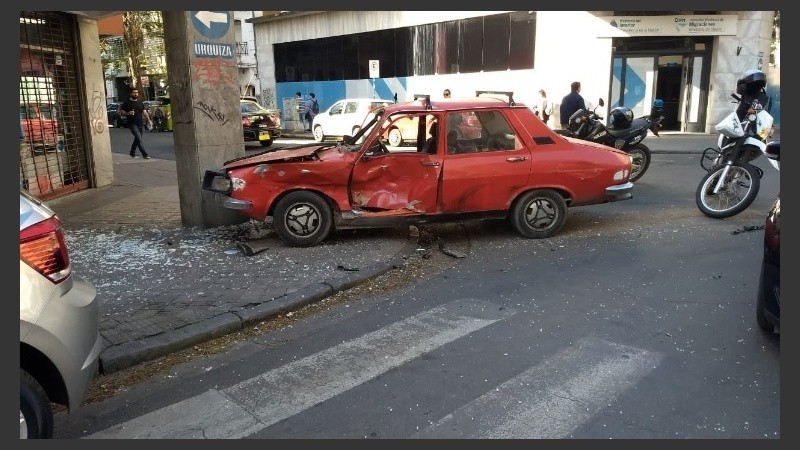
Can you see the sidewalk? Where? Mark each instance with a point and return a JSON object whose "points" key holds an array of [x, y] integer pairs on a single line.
{"points": [[163, 287]]}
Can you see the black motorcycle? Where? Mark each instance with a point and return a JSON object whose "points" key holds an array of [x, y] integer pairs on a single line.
{"points": [[623, 132]]}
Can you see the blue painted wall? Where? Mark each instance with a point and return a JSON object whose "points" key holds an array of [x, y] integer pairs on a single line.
{"points": [[330, 92]]}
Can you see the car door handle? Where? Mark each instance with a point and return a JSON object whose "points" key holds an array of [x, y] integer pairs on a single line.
{"points": [[430, 163], [516, 158]]}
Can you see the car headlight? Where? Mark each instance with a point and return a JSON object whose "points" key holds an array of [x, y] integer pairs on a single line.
{"points": [[621, 174]]}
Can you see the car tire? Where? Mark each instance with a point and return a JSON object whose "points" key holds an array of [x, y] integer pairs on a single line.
{"points": [[641, 161], [34, 408], [395, 137], [318, 134], [539, 214], [266, 143], [303, 219], [761, 307]]}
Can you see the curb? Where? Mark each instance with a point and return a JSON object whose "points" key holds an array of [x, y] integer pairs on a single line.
{"points": [[129, 354]]}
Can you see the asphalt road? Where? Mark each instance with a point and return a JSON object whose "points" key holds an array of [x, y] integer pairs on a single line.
{"points": [[636, 321]]}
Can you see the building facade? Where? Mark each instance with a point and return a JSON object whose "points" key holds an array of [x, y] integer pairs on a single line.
{"points": [[246, 61], [64, 142], [690, 60]]}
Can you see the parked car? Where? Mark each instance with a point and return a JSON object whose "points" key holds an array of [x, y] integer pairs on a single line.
{"points": [[517, 169], [259, 123], [114, 119], [404, 131], [38, 125], [768, 303], [345, 117], [59, 342]]}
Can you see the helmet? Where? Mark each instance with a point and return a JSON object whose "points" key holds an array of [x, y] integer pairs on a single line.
{"points": [[751, 82], [620, 117]]}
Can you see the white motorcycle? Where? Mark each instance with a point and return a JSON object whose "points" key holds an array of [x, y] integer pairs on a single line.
{"points": [[732, 183]]}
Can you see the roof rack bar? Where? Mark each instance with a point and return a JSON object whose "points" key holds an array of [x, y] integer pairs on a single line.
{"points": [[510, 95], [426, 97]]}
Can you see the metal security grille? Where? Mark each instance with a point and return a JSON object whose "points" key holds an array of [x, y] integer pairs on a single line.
{"points": [[53, 158]]}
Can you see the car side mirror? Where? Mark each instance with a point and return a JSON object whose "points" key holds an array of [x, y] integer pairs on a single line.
{"points": [[601, 102]]}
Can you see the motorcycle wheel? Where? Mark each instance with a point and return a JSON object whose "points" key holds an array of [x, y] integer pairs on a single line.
{"points": [[641, 161], [738, 192]]}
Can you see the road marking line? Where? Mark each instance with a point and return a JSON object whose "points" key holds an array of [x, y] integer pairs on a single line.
{"points": [[254, 404], [552, 399]]}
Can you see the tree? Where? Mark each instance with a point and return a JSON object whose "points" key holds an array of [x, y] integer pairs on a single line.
{"points": [[139, 51], [141, 30]]}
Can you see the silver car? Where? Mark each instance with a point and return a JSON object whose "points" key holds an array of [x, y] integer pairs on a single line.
{"points": [[59, 342]]}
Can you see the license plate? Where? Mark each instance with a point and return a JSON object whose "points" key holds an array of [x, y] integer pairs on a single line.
{"points": [[263, 135]]}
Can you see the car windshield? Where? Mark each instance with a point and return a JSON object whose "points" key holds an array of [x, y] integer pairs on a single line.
{"points": [[251, 107]]}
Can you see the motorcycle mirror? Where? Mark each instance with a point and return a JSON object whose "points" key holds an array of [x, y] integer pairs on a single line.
{"points": [[601, 103]]}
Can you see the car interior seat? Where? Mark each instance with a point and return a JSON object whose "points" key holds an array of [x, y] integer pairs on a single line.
{"points": [[452, 142], [430, 144]]}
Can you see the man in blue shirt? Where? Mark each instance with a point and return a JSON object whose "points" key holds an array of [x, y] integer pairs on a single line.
{"points": [[571, 103]]}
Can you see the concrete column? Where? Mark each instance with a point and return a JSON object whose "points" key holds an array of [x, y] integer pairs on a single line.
{"points": [[204, 97], [102, 173]]}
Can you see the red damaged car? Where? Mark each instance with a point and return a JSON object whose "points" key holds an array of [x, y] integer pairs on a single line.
{"points": [[510, 165]]}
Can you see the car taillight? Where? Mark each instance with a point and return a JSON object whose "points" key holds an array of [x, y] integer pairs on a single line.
{"points": [[42, 247], [772, 233]]}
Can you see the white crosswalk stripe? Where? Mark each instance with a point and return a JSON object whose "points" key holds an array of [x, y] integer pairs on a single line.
{"points": [[261, 401], [550, 400]]}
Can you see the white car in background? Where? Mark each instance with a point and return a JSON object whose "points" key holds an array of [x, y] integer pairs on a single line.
{"points": [[344, 117]]}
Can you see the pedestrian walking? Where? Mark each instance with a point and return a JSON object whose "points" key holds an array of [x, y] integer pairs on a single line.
{"points": [[301, 111], [543, 108], [571, 103], [312, 109], [137, 116]]}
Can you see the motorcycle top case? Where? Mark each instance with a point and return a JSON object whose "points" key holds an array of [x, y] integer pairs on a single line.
{"points": [[730, 126]]}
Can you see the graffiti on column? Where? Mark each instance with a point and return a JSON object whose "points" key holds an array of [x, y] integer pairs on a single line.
{"points": [[213, 72], [97, 114], [212, 112], [268, 97]]}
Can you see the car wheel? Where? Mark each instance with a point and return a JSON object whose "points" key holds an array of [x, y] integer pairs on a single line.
{"points": [[539, 214], [395, 137], [303, 219], [266, 143], [318, 134], [35, 411], [640, 156]]}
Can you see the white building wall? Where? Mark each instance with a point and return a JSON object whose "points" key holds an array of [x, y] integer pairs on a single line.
{"points": [[247, 63], [733, 55], [577, 57], [570, 46]]}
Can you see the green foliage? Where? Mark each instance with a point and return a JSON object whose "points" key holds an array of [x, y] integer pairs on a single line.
{"points": [[139, 51]]}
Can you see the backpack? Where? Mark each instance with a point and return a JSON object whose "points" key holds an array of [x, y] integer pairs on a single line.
{"points": [[314, 107]]}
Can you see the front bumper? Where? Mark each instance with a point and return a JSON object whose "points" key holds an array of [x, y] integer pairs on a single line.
{"points": [[620, 192], [219, 183]]}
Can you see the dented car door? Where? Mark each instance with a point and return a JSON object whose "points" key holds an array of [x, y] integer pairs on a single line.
{"points": [[406, 182]]}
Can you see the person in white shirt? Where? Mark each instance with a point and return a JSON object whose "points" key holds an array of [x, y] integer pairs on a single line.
{"points": [[543, 107]]}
